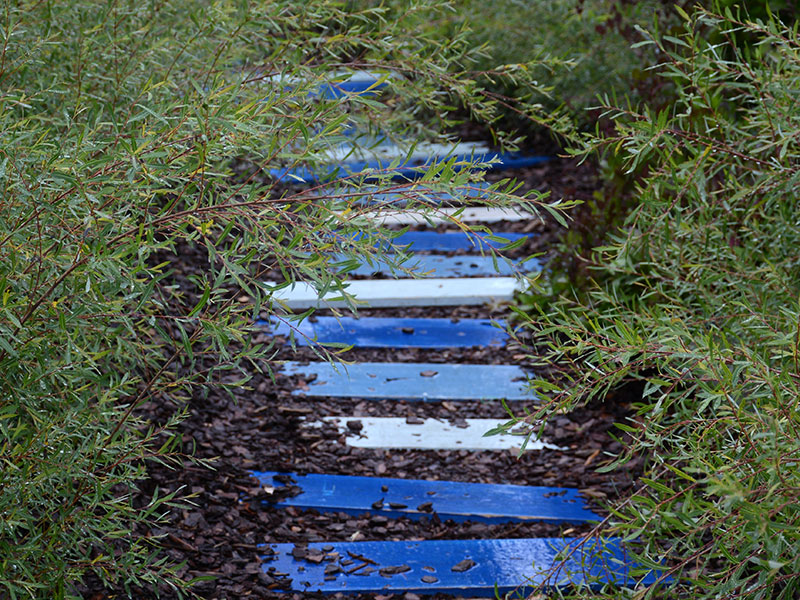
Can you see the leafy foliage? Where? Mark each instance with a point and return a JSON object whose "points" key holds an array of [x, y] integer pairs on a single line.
{"points": [[696, 299], [129, 130], [576, 49]]}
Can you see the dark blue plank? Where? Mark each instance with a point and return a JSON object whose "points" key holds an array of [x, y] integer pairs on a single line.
{"points": [[429, 265], [492, 503], [411, 381], [410, 170], [451, 241], [382, 332], [491, 566]]}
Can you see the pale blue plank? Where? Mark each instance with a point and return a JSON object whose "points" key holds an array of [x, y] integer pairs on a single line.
{"points": [[451, 241], [383, 332], [468, 568], [493, 503], [446, 266], [412, 381], [367, 86]]}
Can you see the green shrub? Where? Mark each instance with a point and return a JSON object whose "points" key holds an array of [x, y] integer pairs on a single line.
{"points": [[575, 49], [129, 131], [696, 298]]}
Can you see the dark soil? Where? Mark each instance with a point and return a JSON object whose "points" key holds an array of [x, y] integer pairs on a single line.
{"points": [[219, 532]]}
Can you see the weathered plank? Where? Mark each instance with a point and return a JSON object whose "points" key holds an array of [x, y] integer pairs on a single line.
{"points": [[338, 84], [414, 498], [381, 155], [475, 214], [452, 241], [405, 169], [403, 292], [399, 195], [411, 381], [382, 332], [362, 83], [468, 568], [431, 434], [430, 265]]}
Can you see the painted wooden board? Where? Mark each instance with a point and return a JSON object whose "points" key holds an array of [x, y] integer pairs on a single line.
{"points": [[411, 381], [475, 214], [405, 170], [468, 568], [373, 195], [382, 332], [452, 241], [431, 434], [382, 154], [360, 83], [430, 265], [339, 85], [403, 292], [414, 498]]}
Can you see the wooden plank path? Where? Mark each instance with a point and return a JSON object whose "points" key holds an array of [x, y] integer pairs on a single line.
{"points": [[339, 84], [432, 265], [465, 568], [401, 168], [476, 214], [381, 153], [411, 381], [416, 498], [366, 195], [431, 434], [453, 241], [462, 567], [404, 292], [390, 332]]}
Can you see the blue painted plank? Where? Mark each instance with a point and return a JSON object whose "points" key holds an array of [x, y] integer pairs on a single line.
{"points": [[492, 503], [341, 85], [412, 381], [450, 241], [429, 265], [383, 332], [463, 567], [360, 87], [410, 170]]}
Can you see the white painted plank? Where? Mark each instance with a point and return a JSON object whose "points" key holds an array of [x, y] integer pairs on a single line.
{"points": [[432, 434], [403, 292], [387, 152], [475, 214]]}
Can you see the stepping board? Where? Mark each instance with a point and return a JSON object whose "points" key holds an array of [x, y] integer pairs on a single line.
{"points": [[340, 85], [444, 266], [452, 241], [491, 503], [468, 568], [371, 195], [406, 169], [403, 292], [382, 332], [382, 154], [431, 434], [411, 381], [476, 214], [359, 83]]}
